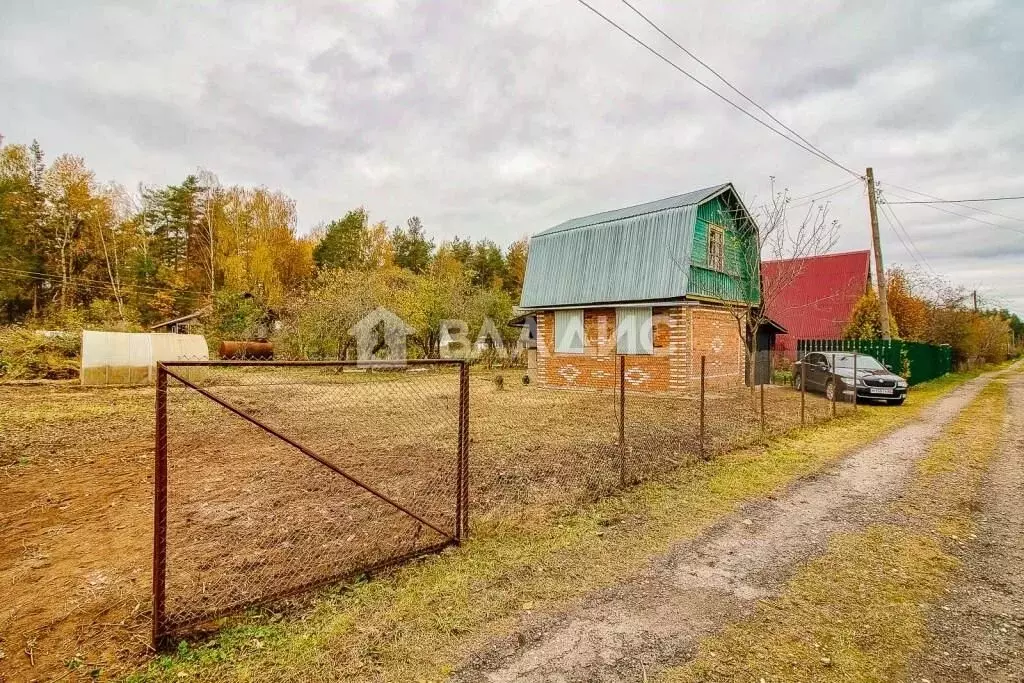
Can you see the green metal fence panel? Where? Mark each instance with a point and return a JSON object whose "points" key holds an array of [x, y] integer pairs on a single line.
{"points": [[916, 361]]}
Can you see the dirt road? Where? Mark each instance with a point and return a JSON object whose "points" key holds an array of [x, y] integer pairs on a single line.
{"points": [[978, 633], [656, 620]]}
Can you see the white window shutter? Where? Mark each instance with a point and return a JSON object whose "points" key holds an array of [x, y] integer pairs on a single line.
{"points": [[569, 331], [634, 330]]}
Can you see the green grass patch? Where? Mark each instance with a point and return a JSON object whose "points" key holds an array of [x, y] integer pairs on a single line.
{"points": [[858, 612], [417, 622]]}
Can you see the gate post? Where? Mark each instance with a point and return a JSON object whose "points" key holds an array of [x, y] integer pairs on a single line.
{"points": [[462, 469], [160, 508]]}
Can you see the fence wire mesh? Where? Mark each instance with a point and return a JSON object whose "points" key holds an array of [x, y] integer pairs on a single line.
{"points": [[251, 517], [545, 445], [252, 514]]}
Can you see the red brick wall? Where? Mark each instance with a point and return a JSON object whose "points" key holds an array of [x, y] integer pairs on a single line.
{"points": [[681, 335], [714, 335]]}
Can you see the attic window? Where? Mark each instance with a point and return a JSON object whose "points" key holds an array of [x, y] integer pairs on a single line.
{"points": [[716, 247]]}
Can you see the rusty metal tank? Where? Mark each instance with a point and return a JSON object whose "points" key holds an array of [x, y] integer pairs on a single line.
{"points": [[246, 350]]}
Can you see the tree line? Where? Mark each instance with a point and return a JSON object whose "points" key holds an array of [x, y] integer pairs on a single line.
{"points": [[930, 310], [76, 252]]}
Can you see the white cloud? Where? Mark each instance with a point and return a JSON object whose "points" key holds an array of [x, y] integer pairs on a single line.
{"points": [[499, 119]]}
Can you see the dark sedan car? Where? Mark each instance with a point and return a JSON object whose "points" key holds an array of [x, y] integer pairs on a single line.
{"points": [[873, 381]]}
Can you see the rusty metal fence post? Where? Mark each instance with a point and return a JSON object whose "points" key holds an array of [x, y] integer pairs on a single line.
{"points": [[622, 421], [762, 410], [462, 467], [160, 509], [855, 381], [835, 385], [803, 394], [703, 448]]}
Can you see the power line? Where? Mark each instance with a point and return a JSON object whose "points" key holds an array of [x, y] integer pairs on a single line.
{"points": [[967, 216], [835, 191], [733, 87], [956, 201], [839, 187], [714, 92], [906, 247], [969, 208], [910, 239], [95, 284], [897, 226]]}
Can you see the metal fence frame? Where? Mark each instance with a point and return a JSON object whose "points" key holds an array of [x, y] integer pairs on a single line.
{"points": [[160, 630]]}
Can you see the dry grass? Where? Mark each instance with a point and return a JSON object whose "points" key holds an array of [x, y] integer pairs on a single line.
{"points": [[415, 623], [858, 612]]}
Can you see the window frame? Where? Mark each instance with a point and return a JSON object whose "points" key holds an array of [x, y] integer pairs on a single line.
{"points": [[715, 230], [561, 338], [640, 334]]}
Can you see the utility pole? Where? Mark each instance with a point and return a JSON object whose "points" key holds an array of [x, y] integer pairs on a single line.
{"points": [[974, 295], [883, 291]]}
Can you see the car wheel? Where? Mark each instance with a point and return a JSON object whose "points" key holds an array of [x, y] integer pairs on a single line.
{"points": [[830, 390], [899, 401]]}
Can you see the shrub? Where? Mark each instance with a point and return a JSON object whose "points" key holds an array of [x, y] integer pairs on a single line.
{"points": [[34, 354]]}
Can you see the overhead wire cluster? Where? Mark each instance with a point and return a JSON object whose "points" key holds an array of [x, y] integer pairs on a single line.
{"points": [[765, 118], [768, 120]]}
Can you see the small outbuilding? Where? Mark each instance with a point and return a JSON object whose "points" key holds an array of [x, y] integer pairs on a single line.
{"points": [[186, 324], [662, 283]]}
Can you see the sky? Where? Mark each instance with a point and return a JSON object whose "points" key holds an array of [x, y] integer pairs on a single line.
{"points": [[499, 119]]}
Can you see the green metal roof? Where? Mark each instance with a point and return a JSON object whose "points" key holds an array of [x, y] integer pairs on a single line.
{"points": [[640, 253]]}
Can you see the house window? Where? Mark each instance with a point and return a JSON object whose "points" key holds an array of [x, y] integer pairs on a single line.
{"points": [[569, 331], [716, 248], [633, 333]]}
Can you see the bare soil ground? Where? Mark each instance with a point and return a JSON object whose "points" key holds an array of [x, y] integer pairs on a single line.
{"points": [[247, 513], [977, 634], [657, 619]]}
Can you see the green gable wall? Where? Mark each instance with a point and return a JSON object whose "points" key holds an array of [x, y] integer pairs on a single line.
{"points": [[737, 283]]}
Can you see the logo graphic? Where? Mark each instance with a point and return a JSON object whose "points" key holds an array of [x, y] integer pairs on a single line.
{"points": [[380, 336]]}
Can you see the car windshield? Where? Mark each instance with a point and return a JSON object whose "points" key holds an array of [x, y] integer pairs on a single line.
{"points": [[863, 362]]}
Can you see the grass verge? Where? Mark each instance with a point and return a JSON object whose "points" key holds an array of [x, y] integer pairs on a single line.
{"points": [[416, 623], [859, 612]]}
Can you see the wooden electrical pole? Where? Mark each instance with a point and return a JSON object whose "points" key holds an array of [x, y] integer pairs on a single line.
{"points": [[974, 295], [883, 291]]}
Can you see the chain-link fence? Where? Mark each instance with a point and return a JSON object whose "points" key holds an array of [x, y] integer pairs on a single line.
{"points": [[273, 478], [544, 445]]}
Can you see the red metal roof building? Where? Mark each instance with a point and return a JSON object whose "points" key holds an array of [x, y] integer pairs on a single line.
{"points": [[813, 297]]}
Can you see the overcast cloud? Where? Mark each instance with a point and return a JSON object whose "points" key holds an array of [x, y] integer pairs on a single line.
{"points": [[500, 119]]}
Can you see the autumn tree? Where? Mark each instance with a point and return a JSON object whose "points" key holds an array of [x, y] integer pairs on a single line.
{"points": [[866, 319], [908, 310], [21, 229], [515, 268]]}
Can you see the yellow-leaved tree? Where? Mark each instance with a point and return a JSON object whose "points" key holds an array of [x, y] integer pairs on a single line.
{"points": [[866, 320]]}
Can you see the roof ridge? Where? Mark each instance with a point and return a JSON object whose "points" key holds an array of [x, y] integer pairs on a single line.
{"points": [[623, 213], [821, 256]]}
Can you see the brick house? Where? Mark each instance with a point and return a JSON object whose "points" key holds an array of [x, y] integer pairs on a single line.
{"points": [[662, 284]]}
